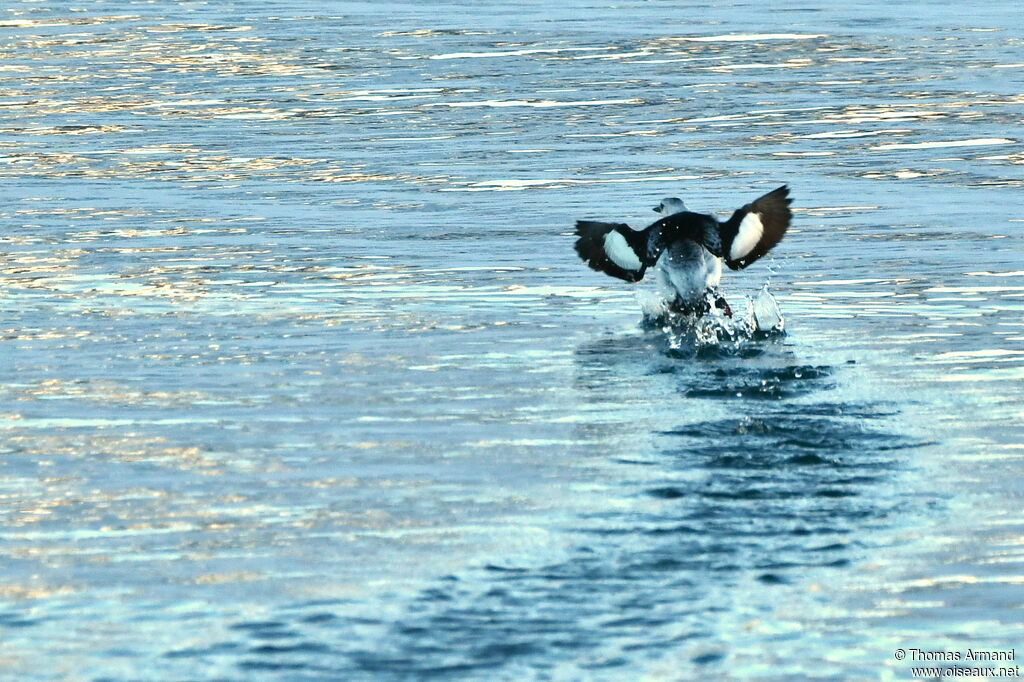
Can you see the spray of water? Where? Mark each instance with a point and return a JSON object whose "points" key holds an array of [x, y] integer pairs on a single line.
{"points": [[758, 318]]}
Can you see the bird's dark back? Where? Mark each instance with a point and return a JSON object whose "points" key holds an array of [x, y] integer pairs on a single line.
{"points": [[696, 227]]}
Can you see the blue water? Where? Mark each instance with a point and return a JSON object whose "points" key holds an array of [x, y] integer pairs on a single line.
{"points": [[301, 379]]}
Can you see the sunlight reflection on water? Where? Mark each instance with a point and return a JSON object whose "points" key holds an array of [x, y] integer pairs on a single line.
{"points": [[301, 376]]}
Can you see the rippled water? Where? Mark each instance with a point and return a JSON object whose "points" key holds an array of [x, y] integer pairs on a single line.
{"points": [[301, 378]]}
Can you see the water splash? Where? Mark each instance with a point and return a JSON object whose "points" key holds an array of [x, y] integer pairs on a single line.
{"points": [[715, 330], [764, 312]]}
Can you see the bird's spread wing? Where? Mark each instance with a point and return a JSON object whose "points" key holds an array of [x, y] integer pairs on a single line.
{"points": [[612, 248], [620, 251], [753, 230]]}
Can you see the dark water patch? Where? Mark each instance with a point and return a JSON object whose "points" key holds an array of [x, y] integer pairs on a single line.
{"points": [[318, 618], [503, 569], [636, 462], [276, 666], [810, 459], [299, 647], [757, 383], [436, 594], [705, 659], [836, 546], [666, 493], [792, 437], [259, 627], [772, 579], [757, 460]]}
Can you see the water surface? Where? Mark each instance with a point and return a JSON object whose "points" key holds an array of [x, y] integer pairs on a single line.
{"points": [[300, 377]]}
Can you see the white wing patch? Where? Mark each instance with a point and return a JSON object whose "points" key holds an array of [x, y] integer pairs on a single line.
{"points": [[620, 253], [747, 237]]}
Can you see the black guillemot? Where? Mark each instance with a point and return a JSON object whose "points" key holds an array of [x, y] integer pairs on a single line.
{"points": [[687, 248]]}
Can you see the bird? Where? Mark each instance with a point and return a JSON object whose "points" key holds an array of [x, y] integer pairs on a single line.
{"points": [[686, 249]]}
